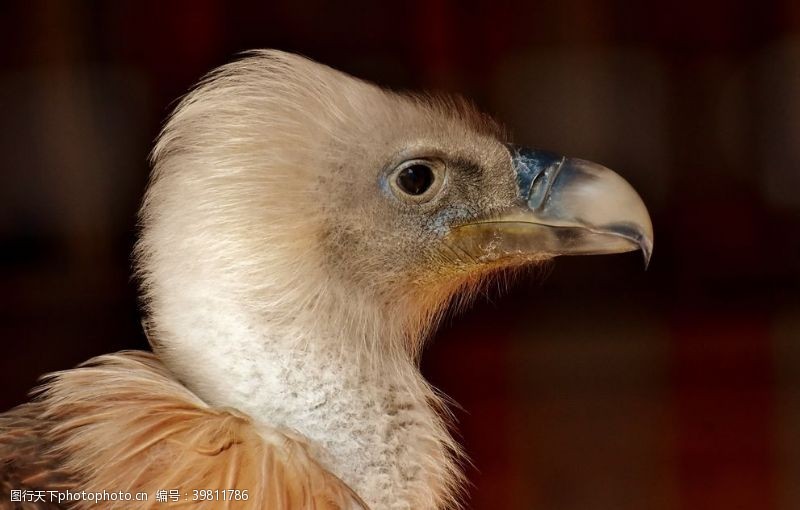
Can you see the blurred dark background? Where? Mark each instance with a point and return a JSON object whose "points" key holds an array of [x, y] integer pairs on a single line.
{"points": [[594, 385]]}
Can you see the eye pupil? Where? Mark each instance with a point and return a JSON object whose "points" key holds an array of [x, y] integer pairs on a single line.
{"points": [[415, 179]]}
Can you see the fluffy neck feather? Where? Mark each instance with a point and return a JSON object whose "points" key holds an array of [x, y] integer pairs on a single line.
{"points": [[373, 421]]}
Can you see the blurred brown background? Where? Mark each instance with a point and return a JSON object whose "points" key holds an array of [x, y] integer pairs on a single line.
{"points": [[595, 385]]}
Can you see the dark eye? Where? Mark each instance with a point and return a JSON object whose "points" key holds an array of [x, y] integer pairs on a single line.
{"points": [[415, 179]]}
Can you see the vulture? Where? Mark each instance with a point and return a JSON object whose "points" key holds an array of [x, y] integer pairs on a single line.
{"points": [[302, 233]]}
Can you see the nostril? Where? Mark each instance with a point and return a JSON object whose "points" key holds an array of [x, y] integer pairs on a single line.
{"points": [[542, 183], [536, 170], [538, 188]]}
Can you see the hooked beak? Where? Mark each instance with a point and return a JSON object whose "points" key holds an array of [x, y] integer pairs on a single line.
{"points": [[565, 206]]}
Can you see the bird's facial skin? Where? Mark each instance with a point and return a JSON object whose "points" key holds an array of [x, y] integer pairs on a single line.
{"points": [[412, 199]]}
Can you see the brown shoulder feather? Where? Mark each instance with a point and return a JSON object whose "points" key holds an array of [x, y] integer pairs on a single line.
{"points": [[122, 422], [27, 462]]}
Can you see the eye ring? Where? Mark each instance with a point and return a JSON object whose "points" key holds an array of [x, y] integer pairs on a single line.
{"points": [[417, 180]]}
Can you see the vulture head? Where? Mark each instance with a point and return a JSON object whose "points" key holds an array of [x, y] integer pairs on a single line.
{"points": [[304, 229]]}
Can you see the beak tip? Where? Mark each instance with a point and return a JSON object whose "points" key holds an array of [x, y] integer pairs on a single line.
{"points": [[647, 255], [646, 245]]}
